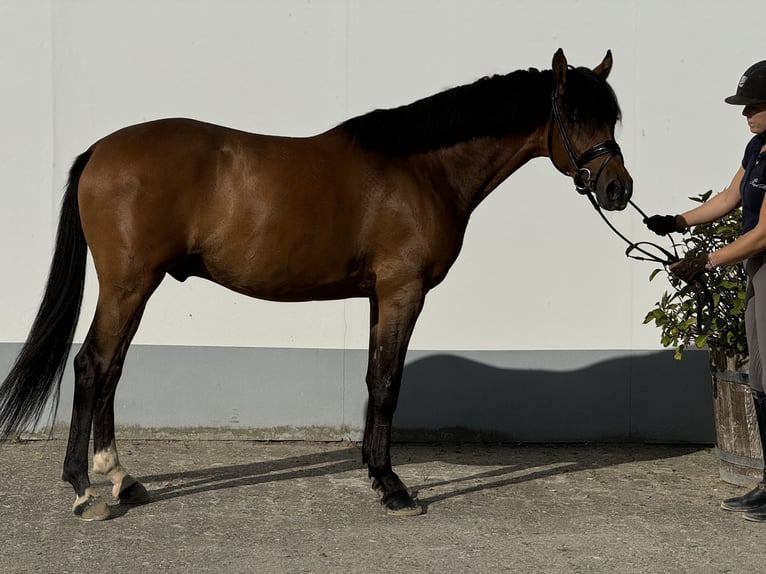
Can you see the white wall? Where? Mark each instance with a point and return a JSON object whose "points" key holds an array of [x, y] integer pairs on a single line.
{"points": [[539, 270]]}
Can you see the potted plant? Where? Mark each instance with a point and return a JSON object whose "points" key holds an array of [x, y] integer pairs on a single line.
{"points": [[720, 329]]}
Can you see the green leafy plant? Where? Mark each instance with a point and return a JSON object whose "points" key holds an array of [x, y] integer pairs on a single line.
{"points": [[722, 326]]}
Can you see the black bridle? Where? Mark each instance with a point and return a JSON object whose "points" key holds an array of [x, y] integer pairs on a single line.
{"points": [[585, 184], [581, 175]]}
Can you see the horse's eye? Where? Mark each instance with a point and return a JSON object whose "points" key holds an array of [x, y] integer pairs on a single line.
{"points": [[573, 119]]}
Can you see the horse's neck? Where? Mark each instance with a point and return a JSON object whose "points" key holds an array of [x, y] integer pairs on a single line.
{"points": [[473, 169]]}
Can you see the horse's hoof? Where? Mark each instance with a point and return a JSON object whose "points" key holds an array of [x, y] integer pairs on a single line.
{"points": [[400, 504], [92, 508], [133, 493]]}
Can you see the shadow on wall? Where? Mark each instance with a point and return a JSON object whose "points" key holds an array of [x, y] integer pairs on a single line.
{"points": [[640, 397], [511, 396]]}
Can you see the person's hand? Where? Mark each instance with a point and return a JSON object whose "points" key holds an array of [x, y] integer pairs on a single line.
{"points": [[689, 268], [664, 224]]}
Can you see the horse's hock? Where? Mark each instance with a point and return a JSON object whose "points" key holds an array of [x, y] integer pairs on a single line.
{"points": [[738, 444]]}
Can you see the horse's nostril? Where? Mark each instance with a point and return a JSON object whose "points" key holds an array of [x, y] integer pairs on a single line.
{"points": [[614, 190]]}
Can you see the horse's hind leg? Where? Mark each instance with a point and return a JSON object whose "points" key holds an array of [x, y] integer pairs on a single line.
{"points": [[393, 317], [98, 366], [105, 458]]}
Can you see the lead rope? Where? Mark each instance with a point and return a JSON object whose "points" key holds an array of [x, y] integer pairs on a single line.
{"points": [[640, 246], [702, 292], [582, 182]]}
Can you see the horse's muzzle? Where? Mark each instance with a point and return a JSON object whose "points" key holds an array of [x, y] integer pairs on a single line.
{"points": [[614, 190]]}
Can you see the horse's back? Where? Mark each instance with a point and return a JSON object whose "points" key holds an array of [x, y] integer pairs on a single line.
{"points": [[260, 214]]}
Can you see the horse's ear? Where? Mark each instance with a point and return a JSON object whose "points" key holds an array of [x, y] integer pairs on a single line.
{"points": [[604, 67], [560, 68]]}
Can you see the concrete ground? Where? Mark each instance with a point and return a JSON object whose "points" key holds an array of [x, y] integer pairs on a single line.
{"points": [[241, 506]]}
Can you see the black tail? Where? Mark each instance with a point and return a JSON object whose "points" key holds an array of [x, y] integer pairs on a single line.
{"points": [[39, 367]]}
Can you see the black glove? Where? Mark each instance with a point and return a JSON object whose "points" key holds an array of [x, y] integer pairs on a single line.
{"points": [[664, 224], [689, 268]]}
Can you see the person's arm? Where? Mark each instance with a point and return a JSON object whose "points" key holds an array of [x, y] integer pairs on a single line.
{"points": [[741, 248], [718, 205], [746, 245], [715, 208]]}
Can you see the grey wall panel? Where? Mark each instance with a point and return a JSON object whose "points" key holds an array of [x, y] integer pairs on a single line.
{"points": [[319, 394]]}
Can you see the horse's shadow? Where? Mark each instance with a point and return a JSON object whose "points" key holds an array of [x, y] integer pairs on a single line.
{"points": [[539, 402], [516, 465], [186, 483]]}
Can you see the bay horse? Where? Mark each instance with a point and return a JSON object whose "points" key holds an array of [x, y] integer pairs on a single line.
{"points": [[375, 207]]}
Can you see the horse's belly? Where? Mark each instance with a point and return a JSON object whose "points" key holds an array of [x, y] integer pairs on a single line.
{"points": [[284, 280], [297, 291]]}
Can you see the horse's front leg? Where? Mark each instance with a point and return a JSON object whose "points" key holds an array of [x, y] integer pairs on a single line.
{"points": [[392, 321]]}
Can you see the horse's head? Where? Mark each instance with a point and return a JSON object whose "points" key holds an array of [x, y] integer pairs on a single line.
{"points": [[584, 112]]}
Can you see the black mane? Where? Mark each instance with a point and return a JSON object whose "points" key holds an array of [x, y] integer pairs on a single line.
{"points": [[494, 106]]}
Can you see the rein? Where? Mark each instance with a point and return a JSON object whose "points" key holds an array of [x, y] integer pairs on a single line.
{"points": [[702, 293], [584, 183]]}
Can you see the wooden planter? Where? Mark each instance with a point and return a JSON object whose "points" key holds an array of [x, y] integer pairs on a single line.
{"points": [[738, 443]]}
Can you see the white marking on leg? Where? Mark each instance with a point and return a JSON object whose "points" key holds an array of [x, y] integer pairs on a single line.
{"points": [[107, 462]]}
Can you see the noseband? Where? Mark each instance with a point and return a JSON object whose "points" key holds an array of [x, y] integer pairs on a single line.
{"points": [[584, 184], [582, 175]]}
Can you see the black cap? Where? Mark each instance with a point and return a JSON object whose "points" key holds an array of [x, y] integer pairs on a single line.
{"points": [[751, 90]]}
